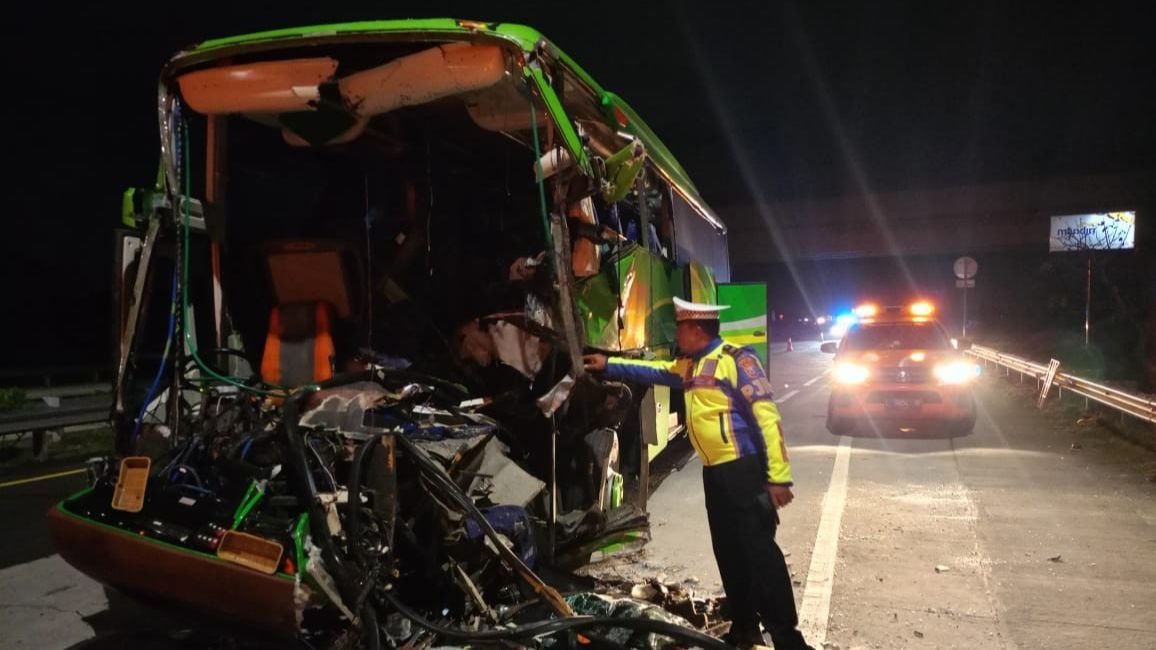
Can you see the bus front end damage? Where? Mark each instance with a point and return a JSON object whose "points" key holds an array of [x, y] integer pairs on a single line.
{"points": [[350, 405]]}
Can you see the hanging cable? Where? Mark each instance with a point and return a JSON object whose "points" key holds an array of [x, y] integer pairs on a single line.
{"points": [[164, 359], [190, 338], [540, 174], [368, 267]]}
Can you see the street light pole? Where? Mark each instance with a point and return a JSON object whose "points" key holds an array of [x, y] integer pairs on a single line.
{"points": [[1088, 305], [964, 312]]}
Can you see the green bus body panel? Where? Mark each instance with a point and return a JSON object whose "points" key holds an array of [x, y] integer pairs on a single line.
{"points": [[524, 37], [703, 287], [558, 114], [636, 293], [661, 422], [745, 323]]}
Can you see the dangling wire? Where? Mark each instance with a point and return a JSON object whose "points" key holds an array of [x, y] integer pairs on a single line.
{"points": [[164, 361], [540, 174], [190, 337], [368, 270]]}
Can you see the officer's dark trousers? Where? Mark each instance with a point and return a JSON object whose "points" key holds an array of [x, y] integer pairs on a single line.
{"points": [[742, 531]]}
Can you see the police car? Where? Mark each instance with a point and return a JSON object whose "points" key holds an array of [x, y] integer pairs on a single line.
{"points": [[897, 364]]}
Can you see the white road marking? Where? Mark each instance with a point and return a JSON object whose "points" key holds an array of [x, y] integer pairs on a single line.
{"points": [[816, 607], [786, 397], [44, 604], [813, 380]]}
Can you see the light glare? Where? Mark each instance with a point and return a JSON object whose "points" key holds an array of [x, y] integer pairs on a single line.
{"points": [[850, 373], [922, 309], [957, 372]]}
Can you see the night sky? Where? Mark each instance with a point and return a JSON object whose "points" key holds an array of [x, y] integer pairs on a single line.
{"points": [[759, 101]]}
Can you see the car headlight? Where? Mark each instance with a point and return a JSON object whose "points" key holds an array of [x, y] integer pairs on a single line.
{"points": [[850, 373], [956, 372]]}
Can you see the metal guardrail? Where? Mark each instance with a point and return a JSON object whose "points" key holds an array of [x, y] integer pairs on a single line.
{"points": [[53, 375], [53, 408], [1139, 406]]}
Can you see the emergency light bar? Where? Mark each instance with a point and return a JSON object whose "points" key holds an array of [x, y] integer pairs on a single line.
{"points": [[918, 311], [922, 309]]}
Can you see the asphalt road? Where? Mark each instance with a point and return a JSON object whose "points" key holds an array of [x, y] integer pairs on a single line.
{"points": [[1030, 532]]}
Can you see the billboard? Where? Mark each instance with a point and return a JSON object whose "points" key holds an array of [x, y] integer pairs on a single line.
{"points": [[1099, 231]]}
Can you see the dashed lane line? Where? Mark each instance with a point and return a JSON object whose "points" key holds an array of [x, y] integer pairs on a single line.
{"points": [[806, 385], [816, 607]]}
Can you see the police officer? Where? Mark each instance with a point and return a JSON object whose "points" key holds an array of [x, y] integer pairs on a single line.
{"points": [[734, 427]]}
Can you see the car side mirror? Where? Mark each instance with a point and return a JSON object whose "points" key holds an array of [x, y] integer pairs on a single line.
{"points": [[830, 347]]}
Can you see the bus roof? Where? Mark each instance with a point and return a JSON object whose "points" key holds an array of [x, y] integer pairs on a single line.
{"points": [[617, 112]]}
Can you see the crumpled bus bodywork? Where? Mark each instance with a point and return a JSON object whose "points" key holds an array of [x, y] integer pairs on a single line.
{"points": [[350, 397]]}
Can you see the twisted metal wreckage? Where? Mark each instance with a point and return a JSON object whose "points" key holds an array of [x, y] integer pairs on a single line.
{"points": [[402, 491]]}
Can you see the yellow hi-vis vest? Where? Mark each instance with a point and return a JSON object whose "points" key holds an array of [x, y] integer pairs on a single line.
{"points": [[729, 407]]}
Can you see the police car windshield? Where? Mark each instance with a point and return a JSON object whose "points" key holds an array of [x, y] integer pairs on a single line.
{"points": [[896, 336]]}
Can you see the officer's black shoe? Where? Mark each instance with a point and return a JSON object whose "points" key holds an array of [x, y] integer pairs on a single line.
{"points": [[744, 639], [789, 639]]}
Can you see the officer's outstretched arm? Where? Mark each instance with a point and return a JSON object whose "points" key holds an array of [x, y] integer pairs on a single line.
{"points": [[663, 373]]}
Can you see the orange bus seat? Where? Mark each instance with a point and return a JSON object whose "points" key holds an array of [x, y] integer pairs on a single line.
{"points": [[299, 347]]}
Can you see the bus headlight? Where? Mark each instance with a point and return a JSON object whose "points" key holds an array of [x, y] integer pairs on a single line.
{"points": [[850, 373], [956, 372]]}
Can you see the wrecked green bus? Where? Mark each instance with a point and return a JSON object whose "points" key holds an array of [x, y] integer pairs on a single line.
{"points": [[351, 314]]}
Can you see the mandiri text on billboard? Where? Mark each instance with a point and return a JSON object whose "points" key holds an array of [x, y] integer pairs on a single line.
{"points": [[1099, 231]]}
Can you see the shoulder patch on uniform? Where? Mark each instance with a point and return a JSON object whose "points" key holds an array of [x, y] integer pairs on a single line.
{"points": [[749, 366]]}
